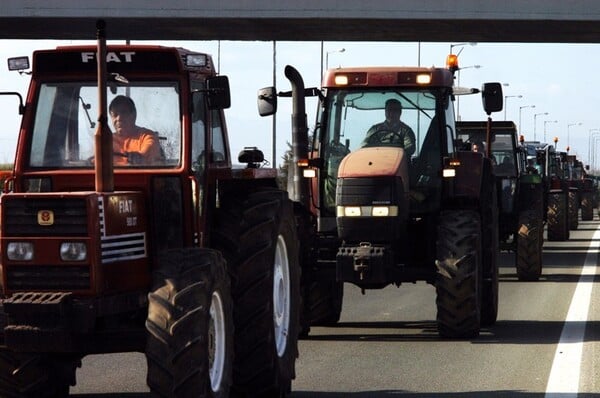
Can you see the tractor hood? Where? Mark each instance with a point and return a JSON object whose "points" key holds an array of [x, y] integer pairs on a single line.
{"points": [[375, 161]]}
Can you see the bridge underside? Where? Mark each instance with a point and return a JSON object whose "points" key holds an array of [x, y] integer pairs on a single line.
{"points": [[309, 29]]}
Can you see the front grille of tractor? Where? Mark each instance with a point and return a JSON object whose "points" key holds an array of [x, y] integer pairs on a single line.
{"points": [[48, 277], [21, 217]]}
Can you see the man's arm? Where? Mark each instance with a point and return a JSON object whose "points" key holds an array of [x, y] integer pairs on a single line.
{"points": [[409, 141], [374, 128], [148, 149]]}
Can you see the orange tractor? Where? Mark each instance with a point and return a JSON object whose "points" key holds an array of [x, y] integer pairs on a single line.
{"points": [[374, 211]]}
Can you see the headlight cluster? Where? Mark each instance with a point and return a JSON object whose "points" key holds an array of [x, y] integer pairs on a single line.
{"points": [[367, 211], [69, 251]]}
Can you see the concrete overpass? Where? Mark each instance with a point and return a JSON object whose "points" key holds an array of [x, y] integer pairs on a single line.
{"points": [[556, 21]]}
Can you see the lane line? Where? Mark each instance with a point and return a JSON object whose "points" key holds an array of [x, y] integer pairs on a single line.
{"points": [[564, 376]]}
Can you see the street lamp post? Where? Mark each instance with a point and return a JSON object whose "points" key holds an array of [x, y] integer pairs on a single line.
{"points": [[545, 123], [461, 45], [506, 97], [520, 109], [535, 123], [590, 140], [569, 132], [458, 84], [594, 146], [341, 50]]}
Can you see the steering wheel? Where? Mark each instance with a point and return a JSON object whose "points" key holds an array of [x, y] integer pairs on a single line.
{"points": [[377, 137], [91, 160]]}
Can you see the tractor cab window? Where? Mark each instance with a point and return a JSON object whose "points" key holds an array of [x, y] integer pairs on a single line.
{"points": [[503, 151], [353, 120], [66, 118]]}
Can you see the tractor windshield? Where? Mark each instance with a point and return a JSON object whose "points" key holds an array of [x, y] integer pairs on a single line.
{"points": [[352, 119], [66, 121], [353, 114]]}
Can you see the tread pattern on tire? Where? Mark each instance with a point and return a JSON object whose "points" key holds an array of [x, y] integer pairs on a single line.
{"points": [[558, 227], [24, 375], [587, 208], [458, 281], [529, 246], [177, 349], [573, 210], [247, 230]]}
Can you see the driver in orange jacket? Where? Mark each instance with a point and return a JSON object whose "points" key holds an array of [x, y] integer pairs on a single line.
{"points": [[132, 145]]}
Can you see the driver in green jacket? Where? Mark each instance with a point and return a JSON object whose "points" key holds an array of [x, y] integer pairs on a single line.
{"points": [[392, 131]]}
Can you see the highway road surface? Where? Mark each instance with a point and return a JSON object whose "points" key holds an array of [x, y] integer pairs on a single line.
{"points": [[546, 342]]}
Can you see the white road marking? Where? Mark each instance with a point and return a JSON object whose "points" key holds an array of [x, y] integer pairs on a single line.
{"points": [[564, 376]]}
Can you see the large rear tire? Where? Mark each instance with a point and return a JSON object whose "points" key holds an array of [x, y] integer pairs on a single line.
{"points": [[189, 348], [490, 243], [256, 232], [558, 218], [529, 246], [458, 281], [587, 208], [322, 303], [24, 375], [573, 210]]}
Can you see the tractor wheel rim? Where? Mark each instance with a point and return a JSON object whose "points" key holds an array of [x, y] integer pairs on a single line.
{"points": [[281, 296], [216, 342]]}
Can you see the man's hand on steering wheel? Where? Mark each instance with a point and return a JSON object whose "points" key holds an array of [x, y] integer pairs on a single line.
{"points": [[376, 139]]}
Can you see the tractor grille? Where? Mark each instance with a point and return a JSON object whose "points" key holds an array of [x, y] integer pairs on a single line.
{"points": [[48, 277], [21, 217]]}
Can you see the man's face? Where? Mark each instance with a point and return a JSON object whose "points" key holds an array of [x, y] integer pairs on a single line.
{"points": [[392, 113], [122, 119]]}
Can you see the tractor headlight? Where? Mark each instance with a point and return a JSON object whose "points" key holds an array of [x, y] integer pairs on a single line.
{"points": [[73, 251], [19, 251], [349, 211], [384, 211]]}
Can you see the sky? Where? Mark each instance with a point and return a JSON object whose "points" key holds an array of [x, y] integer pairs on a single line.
{"points": [[555, 83]]}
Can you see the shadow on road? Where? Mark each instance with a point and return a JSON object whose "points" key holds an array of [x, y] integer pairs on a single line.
{"points": [[380, 394], [406, 394], [552, 277], [113, 395], [503, 332]]}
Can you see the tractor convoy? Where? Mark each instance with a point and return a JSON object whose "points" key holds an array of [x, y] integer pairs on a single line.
{"points": [[213, 271], [520, 193]]}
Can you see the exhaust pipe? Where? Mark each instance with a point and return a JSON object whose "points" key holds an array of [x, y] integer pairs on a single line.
{"points": [[299, 134], [103, 147]]}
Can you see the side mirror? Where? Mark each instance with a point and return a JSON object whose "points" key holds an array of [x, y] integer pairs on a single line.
{"points": [[491, 95], [219, 96], [267, 101]]}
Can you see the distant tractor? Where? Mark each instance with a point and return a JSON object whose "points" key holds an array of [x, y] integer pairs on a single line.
{"points": [[566, 162], [556, 189], [376, 211], [585, 187], [185, 258], [520, 192]]}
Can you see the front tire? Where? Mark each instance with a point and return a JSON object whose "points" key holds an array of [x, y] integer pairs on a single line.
{"points": [[529, 246], [490, 243], [24, 375], [573, 210], [458, 281], [256, 232], [189, 348], [587, 208], [558, 218]]}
